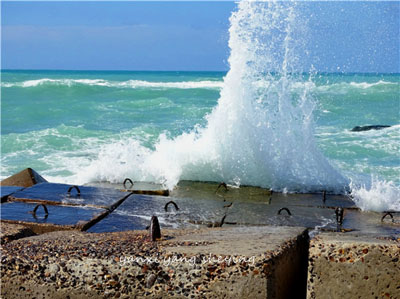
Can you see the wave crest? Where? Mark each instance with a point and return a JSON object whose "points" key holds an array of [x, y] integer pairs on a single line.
{"points": [[207, 84]]}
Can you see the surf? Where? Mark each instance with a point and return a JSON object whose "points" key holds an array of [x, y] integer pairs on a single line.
{"points": [[114, 84]]}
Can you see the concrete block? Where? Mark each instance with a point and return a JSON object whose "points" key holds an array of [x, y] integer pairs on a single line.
{"points": [[25, 178], [104, 265], [280, 260], [353, 266], [10, 232]]}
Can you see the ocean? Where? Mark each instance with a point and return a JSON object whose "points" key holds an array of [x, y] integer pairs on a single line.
{"points": [[259, 124]]}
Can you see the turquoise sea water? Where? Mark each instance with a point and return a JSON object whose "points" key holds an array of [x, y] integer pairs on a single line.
{"points": [[60, 122]]}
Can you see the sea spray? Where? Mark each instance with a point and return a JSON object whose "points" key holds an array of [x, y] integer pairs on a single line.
{"points": [[376, 196], [261, 131]]}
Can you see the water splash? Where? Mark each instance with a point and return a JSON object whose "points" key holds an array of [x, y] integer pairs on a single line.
{"points": [[378, 196], [262, 130]]}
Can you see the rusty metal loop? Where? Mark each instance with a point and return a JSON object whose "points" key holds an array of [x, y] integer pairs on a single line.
{"points": [[284, 209], [46, 212], [171, 203], [222, 184], [77, 190], [128, 180], [387, 214]]}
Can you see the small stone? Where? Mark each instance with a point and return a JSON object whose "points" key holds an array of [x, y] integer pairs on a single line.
{"points": [[150, 280], [54, 268]]}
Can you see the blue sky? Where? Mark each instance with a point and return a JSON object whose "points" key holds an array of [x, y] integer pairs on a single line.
{"points": [[343, 36]]}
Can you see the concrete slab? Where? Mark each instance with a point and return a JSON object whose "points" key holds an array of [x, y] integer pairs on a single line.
{"points": [[58, 215], [25, 178], [7, 191], [135, 213], [354, 266], [116, 222], [51, 193]]}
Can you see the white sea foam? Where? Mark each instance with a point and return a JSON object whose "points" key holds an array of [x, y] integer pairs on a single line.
{"points": [[378, 196], [206, 84], [337, 88], [365, 85], [345, 87]]}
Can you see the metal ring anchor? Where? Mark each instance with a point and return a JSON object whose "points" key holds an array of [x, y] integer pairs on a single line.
{"points": [[387, 214], [339, 215], [222, 184], [77, 190], [128, 180], [284, 209], [171, 203], [46, 212]]}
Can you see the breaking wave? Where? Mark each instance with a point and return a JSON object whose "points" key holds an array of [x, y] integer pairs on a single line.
{"points": [[115, 84], [260, 133]]}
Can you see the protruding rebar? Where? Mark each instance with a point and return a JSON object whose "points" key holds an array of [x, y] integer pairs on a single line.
{"points": [[77, 190], [284, 209], [128, 180], [324, 197], [387, 214], [339, 215], [222, 221], [222, 184], [155, 231], [46, 212], [171, 203]]}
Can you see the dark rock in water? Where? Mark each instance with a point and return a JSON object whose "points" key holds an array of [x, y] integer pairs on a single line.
{"points": [[367, 128]]}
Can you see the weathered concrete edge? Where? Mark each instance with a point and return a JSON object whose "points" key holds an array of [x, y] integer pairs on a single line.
{"points": [[40, 228], [11, 232], [353, 265]]}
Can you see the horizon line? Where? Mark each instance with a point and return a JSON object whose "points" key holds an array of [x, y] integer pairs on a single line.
{"points": [[216, 71]]}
